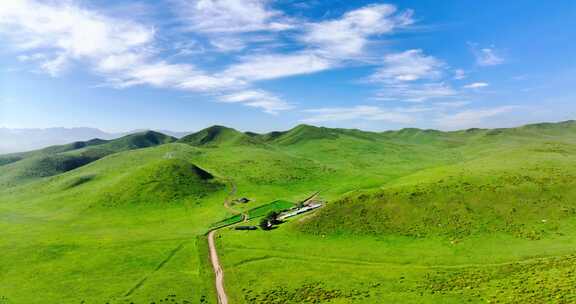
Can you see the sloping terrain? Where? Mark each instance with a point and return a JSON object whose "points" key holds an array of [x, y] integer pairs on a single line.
{"points": [[412, 216], [13, 157], [217, 136], [29, 166], [161, 182], [526, 192]]}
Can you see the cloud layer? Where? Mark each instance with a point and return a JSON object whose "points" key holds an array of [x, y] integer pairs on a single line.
{"points": [[249, 42]]}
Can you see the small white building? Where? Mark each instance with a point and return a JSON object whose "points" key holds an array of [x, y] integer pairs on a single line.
{"points": [[299, 211]]}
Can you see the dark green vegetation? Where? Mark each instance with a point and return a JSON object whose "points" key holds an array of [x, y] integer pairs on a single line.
{"points": [[277, 206], [412, 216]]}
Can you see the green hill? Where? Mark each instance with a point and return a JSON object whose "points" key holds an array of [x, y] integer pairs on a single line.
{"points": [[525, 192], [300, 133], [54, 160], [13, 157], [409, 216], [218, 136], [162, 182]]}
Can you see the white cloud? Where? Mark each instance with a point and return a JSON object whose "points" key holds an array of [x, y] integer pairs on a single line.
{"points": [[258, 99], [232, 16], [348, 36], [411, 76], [476, 85], [486, 56], [32, 57], [62, 29], [330, 42], [409, 65], [56, 65], [187, 48], [452, 104], [57, 34], [459, 74], [161, 74], [361, 112], [415, 92], [228, 43], [54, 34], [271, 66], [472, 118]]}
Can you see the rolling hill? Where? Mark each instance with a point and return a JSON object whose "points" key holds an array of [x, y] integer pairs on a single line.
{"points": [[411, 216], [217, 136], [162, 182], [50, 161], [525, 192]]}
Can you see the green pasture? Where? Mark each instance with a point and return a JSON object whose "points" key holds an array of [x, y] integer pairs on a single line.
{"points": [[411, 216]]}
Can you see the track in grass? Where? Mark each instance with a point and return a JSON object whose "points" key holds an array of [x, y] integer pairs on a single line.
{"points": [[170, 255]]}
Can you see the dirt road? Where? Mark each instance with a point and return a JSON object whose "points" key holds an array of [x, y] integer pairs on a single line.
{"points": [[222, 297], [219, 274]]}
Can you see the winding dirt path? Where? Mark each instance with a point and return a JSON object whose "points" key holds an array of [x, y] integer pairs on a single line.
{"points": [[218, 272], [222, 297]]}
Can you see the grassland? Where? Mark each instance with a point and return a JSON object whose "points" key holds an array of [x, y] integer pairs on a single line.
{"points": [[412, 216]]}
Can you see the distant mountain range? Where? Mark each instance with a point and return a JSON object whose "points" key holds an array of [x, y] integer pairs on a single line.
{"points": [[18, 140]]}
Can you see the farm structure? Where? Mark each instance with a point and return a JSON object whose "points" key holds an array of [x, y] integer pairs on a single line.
{"points": [[301, 210], [245, 228]]}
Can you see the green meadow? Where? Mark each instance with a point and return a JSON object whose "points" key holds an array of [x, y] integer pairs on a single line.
{"points": [[409, 216]]}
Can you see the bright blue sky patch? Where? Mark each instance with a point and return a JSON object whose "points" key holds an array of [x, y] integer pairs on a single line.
{"points": [[262, 65]]}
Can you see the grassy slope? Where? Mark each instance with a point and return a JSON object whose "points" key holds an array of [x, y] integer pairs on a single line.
{"points": [[425, 237], [55, 226], [217, 136], [58, 242], [511, 191], [30, 166]]}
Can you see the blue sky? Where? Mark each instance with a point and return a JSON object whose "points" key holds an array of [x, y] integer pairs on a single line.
{"points": [[265, 65]]}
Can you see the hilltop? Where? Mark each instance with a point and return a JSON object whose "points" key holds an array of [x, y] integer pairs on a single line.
{"points": [[18, 140], [50, 161], [161, 182], [217, 136], [407, 214]]}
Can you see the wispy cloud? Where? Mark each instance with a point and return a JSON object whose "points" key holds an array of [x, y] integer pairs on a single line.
{"points": [[476, 85], [53, 35], [486, 56], [327, 44], [472, 117], [232, 16], [126, 53], [459, 74], [411, 76], [452, 104], [361, 112], [271, 66], [257, 98], [419, 92], [233, 25], [349, 35], [407, 66], [228, 43], [442, 115], [59, 32]]}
